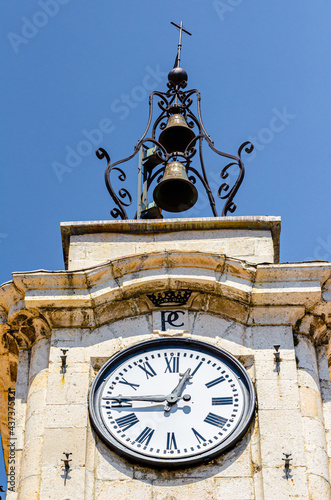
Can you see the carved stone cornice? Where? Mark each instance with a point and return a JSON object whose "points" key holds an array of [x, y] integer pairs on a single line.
{"points": [[243, 292]]}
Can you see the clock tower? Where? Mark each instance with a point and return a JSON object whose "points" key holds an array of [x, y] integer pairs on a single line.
{"points": [[173, 357]]}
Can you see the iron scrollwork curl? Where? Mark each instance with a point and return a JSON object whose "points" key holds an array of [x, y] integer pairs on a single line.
{"points": [[123, 194], [224, 191]]}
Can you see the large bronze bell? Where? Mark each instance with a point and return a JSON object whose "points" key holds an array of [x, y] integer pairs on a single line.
{"points": [[175, 193], [177, 135]]}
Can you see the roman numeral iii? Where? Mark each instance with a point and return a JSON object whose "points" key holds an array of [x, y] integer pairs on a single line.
{"points": [[221, 401]]}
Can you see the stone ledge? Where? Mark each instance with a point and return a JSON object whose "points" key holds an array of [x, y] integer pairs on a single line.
{"points": [[160, 226]]}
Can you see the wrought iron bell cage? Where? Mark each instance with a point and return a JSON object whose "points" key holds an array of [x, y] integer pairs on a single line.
{"points": [[176, 127]]}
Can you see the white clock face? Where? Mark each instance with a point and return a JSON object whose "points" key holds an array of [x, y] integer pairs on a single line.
{"points": [[171, 401]]}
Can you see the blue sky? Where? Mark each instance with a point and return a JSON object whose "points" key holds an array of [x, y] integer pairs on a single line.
{"points": [[263, 69]]}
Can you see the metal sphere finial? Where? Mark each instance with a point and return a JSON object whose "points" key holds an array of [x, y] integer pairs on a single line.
{"points": [[177, 76]]}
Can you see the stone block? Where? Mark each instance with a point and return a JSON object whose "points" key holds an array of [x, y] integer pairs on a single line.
{"points": [[71, 368], [315, 447], [309, 379], [36, 399], [281, 432], [77, 252], [20, 412], [109, 466], [265, 337], [130, 326], [20, 437], [39, 357], [30, 488], [35, 424], [235, 463], [22, 376], [67, 335], [277, 487], [267, 315], [322, 361], [265, 369], [68, 415], [57, 441], [311, 404], [264, 247], [277, 394], [91, 440], [235, 488], [75, 353], [98, 336], [70, 388], [327, 407], [306, 355], [52, 482], [31, 458], [318, 487], [133, 490], [211, 326], [89, 485], [164, 489]]}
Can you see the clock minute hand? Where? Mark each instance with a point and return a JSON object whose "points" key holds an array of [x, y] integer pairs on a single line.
{"points": [[154, 399]]}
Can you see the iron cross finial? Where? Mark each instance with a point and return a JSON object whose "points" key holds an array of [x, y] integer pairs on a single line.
{"points": [[181, 29]]}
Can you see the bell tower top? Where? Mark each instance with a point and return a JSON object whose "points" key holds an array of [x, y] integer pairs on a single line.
{"points": [[172, 174]]}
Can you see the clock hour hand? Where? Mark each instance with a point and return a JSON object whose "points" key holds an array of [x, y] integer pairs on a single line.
{"points": [[153, 399], [177, 392]]}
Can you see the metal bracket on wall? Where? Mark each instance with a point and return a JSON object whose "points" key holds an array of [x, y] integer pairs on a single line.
{"points": [[66, 465], [277, 357], [64, 360], [287, 464]]}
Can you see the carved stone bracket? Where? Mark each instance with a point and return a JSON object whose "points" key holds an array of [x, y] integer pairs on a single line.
{"points": [[27, 327]]}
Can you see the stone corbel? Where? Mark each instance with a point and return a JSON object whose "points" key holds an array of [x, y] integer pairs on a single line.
{"points": [[27, 326]]}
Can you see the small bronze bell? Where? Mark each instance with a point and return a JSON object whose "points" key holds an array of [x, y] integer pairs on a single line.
{"points": [[177, 135], [175, 193]]}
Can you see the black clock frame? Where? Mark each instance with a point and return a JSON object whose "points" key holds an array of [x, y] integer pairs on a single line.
{"points": [[172, 462]]}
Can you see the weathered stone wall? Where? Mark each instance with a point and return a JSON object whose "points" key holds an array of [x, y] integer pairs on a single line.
{"points": [[289, 419]]}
